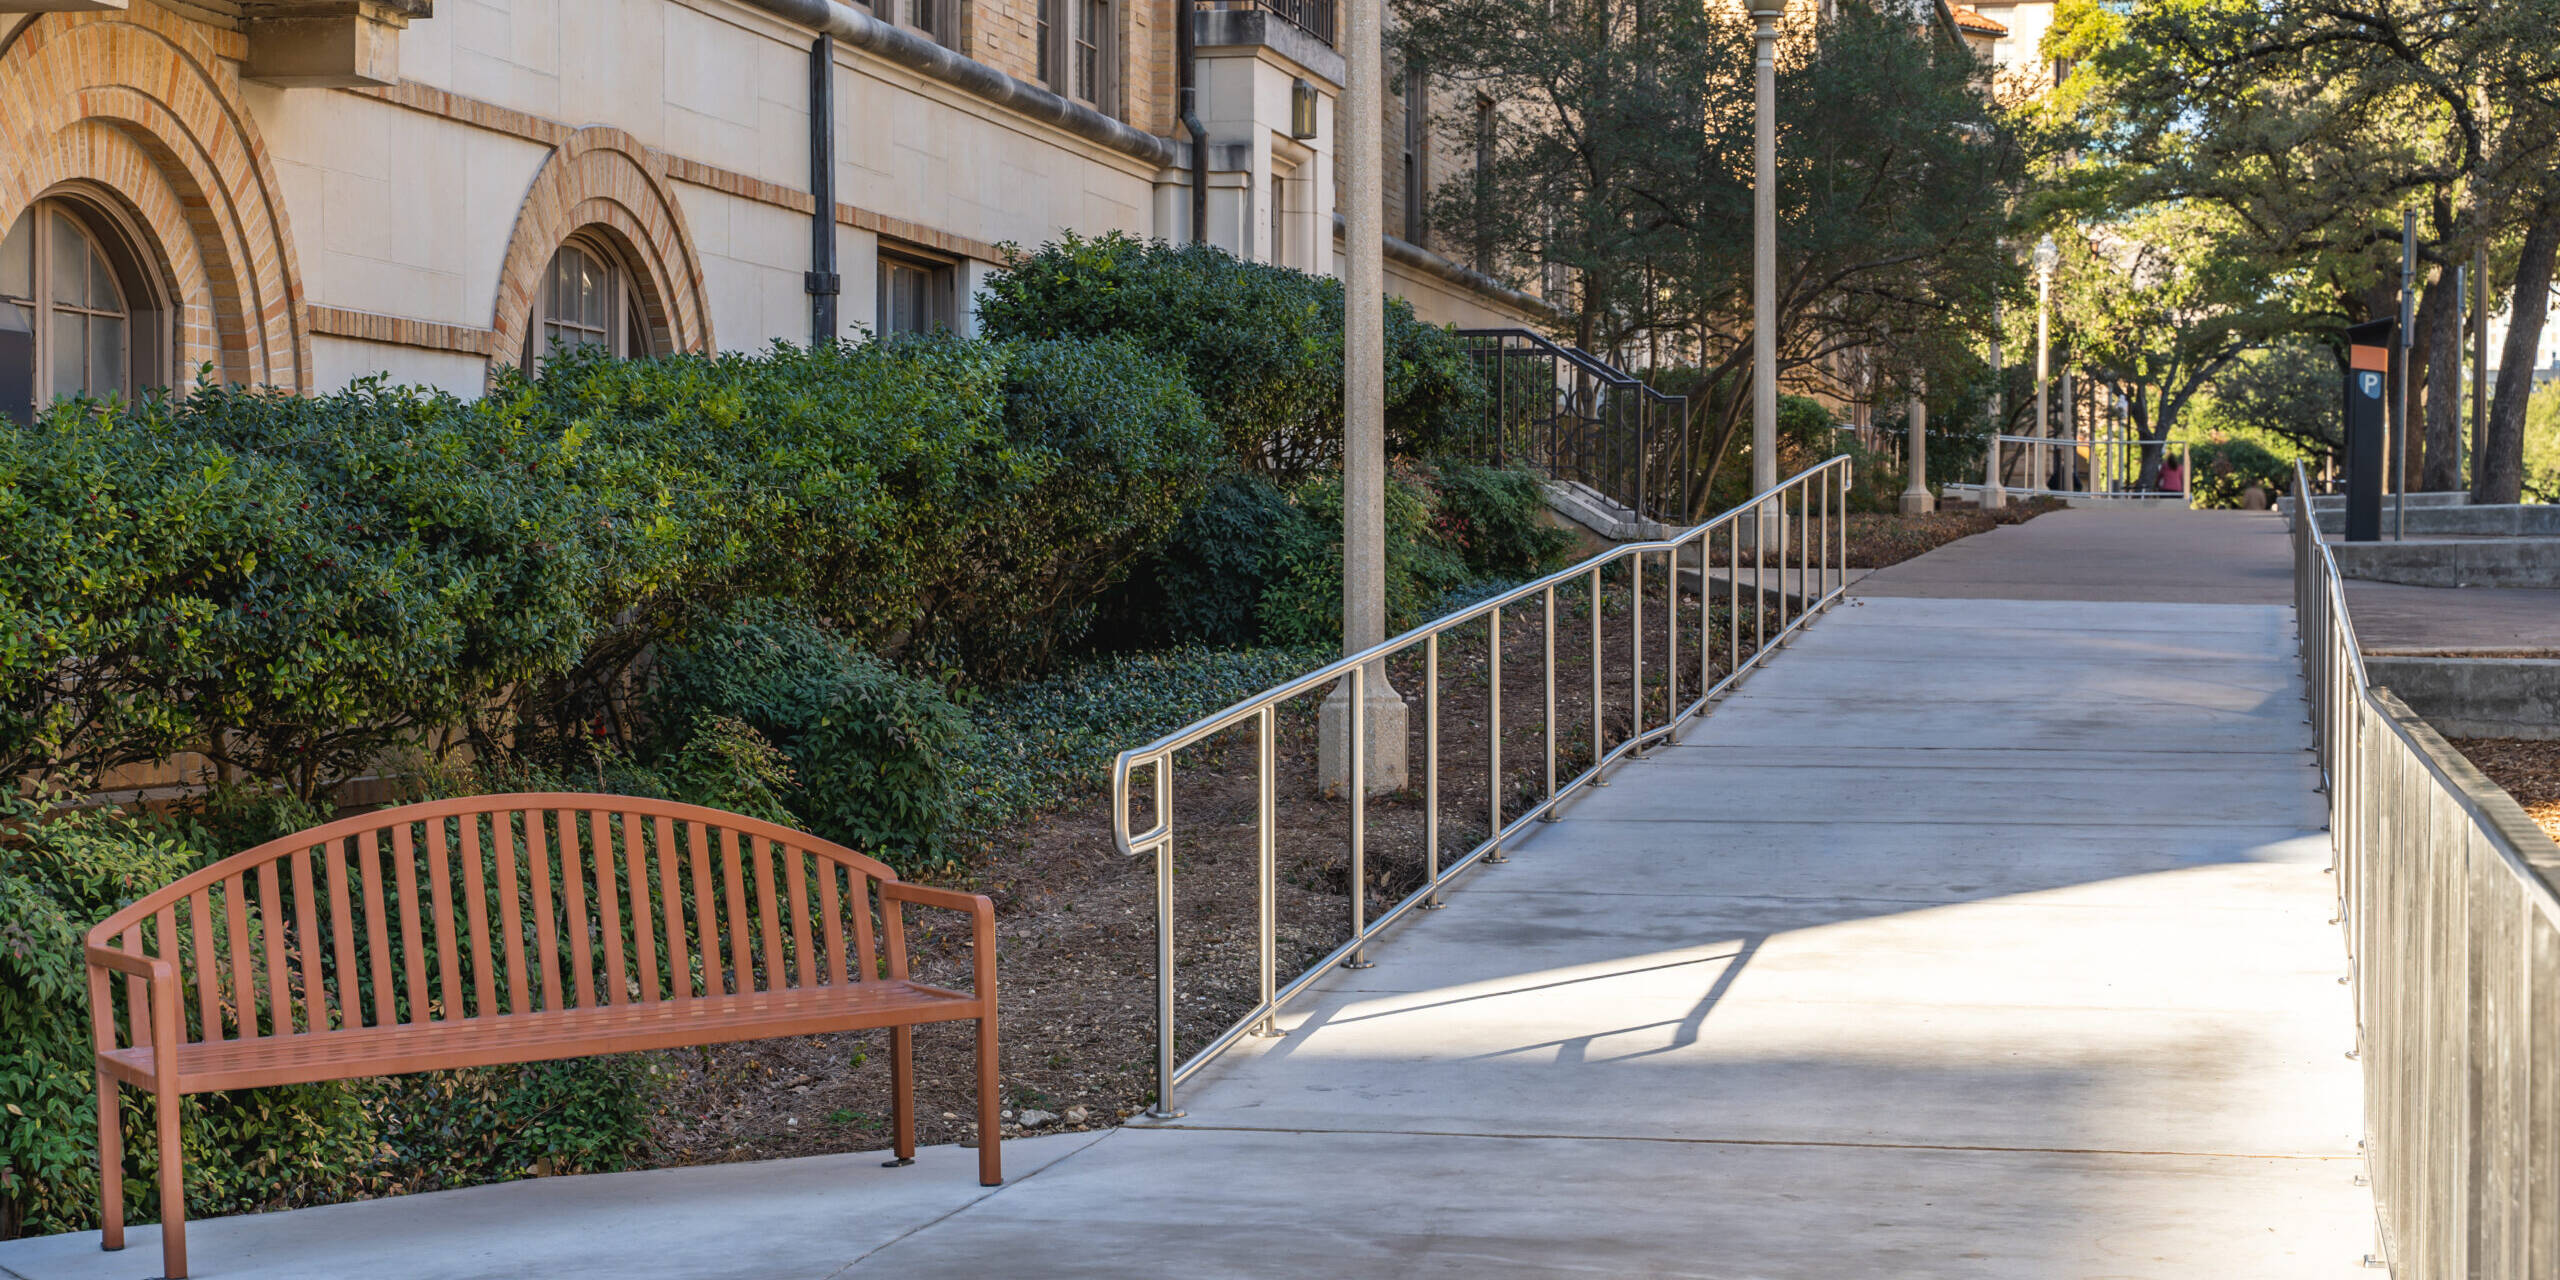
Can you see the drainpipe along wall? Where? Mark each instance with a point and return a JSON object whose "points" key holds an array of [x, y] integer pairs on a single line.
{"points": [[825, 285], [1187, 60]]}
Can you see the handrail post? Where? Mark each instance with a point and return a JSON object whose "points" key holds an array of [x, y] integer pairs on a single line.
{"points": [[1431, 769], [1164, 1108], [1549, 631], [1493, 734], [1599, 705], [1267, 822], [1635, 654]]}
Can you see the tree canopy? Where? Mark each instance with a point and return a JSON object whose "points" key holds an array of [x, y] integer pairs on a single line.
{"points": [[1619, 174]]}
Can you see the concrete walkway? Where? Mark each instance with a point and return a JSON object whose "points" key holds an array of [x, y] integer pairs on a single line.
{"points": [[1978, 936]]}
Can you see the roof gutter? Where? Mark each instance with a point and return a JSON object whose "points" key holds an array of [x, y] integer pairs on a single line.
{"points": [[918, 54]]}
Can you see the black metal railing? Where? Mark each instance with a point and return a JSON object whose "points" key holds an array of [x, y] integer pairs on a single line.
{"points": [[1566, 412], [1315, 17]]}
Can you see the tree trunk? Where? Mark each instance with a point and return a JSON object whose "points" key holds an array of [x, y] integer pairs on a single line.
{"points": [[2497, 475], [2441, 320]]}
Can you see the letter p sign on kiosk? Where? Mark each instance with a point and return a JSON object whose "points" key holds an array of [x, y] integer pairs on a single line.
{"points": [[2368, 383]]}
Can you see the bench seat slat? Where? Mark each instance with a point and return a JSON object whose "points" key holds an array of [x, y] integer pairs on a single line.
{"points": [[621, 1028]]}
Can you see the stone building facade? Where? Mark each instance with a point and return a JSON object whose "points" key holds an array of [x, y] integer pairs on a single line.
{"points": [[302, 192]]}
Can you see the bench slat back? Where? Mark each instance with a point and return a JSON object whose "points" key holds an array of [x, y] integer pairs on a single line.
{"points": [[501, 906]]}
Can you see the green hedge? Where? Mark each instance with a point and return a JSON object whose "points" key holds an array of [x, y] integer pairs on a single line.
{"points": [[951, 504], [2225, 468], [1257, 564], [1262, 345], [299, 586], [289, 585], [867, 746]]}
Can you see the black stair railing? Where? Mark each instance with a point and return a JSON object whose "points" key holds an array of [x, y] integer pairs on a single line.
{"points": [[1565, 412]]}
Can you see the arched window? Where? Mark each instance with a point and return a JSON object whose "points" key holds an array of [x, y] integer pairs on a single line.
{"points": [[589, 298], [70, 269]]}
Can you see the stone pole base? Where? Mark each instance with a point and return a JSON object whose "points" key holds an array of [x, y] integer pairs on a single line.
{"points": [[1918, 502], [1385, 722]]}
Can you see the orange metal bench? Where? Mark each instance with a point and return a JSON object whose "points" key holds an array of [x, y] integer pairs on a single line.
{"points": [[510, 928]]}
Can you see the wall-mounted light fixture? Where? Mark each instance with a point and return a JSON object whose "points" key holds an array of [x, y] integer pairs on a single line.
{"points": [[1302, 110]]}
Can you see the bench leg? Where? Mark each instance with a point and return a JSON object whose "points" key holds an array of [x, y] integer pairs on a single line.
{"points": [[990, 1130], [173, 1189], [902, 1087], [110, 1165]]}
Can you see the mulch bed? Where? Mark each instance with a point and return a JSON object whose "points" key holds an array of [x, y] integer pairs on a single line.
{"points": [[1876, 541], [1076, 920], [2529, 770]]}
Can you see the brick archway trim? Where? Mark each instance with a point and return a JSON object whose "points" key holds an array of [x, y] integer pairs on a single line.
{"points": [[136, 106], [601, 178]]}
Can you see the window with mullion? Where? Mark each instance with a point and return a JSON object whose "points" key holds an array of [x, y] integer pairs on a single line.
{"points": [[59, 274]]}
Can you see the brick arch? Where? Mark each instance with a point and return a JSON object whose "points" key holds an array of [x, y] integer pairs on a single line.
{"points": [[142, 107], [604, 181]]}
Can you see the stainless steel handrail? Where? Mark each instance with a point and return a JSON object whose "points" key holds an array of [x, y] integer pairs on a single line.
{"points": [[1803, 520], [2448, 924]]}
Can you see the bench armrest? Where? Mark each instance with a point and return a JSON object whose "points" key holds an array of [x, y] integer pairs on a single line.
{"points": [[982, 926], [160, 1022], [973, 903], [149, 968]]}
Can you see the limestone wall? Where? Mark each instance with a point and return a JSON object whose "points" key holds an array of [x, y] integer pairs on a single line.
{"points": [[314, 235]]}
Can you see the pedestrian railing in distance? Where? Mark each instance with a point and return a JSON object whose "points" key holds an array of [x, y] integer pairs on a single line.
{"points": [[2446, 894], [1788, 547], [1565, 412], [1315, 17]]}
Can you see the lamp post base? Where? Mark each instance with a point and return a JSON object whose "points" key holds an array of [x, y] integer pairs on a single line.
{"points": [[1385, 723]]}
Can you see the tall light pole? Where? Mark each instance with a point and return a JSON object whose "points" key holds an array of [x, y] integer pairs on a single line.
{"points": [[1764, 244], [1993, 496], [2047, 254], [1364, 425]]}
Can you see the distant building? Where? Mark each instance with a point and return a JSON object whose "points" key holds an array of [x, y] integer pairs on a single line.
{"points": [[2546, 360]]}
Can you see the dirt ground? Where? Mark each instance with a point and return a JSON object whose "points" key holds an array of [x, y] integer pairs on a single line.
{"points": [[2529, 770], [1076, 920]]}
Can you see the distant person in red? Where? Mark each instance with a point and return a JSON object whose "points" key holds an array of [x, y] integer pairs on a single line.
{"points": [[2173, 478]]}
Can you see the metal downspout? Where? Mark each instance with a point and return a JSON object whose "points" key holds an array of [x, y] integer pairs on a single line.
{"points": [[1186, 55], [824, 284]]}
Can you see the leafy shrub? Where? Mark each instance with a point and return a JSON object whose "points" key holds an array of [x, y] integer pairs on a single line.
{"points": [[443, 1129], [288, 584], [62, 873], [1495, 518], [1256, 564], [944, 501], [1262, 345], [2225, 468], [1205, 584], [1048, 740], [869, 745], [716, 760], [1303, 603]]}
